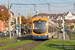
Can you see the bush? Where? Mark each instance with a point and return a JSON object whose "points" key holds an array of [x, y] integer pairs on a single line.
{"points": [[67, 27], [71, 27]]}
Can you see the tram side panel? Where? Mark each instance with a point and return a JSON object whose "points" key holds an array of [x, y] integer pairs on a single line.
{"points": [[49, 31]]}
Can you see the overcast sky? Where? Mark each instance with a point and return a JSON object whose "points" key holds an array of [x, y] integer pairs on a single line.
{"points": [[56, 6]]}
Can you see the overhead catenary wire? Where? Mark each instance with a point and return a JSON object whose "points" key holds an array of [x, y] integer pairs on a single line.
{"points": [[62, 6], [46, 1], [39, 4], [20, 4], [34, 5], [42, 4], [48, 5], [74, 7]]}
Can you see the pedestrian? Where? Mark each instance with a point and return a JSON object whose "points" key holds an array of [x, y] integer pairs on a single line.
{"points": [[28, 30]]}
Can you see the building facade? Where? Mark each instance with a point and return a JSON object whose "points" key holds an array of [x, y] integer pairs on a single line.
{"points": [[2, 25], [4, 9]]}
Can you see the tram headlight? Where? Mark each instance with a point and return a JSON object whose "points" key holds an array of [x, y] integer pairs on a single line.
{"points": [[45, 34]]}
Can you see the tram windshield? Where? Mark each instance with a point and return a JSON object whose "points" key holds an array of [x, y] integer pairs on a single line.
{"points": [[39, 27]]}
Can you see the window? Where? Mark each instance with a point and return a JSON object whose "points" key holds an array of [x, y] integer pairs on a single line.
{"points": [[2, 9], [73, 17], [2, 23], [12, 23], [2, 28], [58, 16], [61, 18], [39, 27]]}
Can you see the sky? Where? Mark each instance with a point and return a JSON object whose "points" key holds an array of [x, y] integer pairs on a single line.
{"points": [[56, 6]]}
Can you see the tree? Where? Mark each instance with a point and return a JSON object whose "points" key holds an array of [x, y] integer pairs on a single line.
{"points": [[71, 27], [29, 21], [67, 27], [23, 20], [4, 16]]}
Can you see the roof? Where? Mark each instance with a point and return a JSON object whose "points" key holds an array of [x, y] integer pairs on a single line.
{"points": [[40, 17], [69, 12], [3, 8], [53, 15], [50, 15]]}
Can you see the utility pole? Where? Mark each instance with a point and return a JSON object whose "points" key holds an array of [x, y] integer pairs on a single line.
{"points": [[74, 12], [27, 21], [19, 25], [30, 14], [74, 7], [9, 29], [16, 16], [17, 22]]}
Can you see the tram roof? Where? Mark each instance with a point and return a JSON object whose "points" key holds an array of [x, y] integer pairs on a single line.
{"points": [[41, 17]]}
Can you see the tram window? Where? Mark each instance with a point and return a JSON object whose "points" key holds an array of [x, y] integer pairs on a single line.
{"points": [[39, 27], [34, 26]]}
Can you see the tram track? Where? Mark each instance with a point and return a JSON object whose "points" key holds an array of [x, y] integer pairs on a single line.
{"points": [[28, 46], [19, 40]]}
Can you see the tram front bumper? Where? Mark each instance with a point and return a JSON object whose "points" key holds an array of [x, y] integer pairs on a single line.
{"points": [[40, 37]]}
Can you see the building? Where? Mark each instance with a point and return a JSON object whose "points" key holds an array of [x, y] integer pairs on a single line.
{"points": [[4, 9], [70, 16], [2, 25]]}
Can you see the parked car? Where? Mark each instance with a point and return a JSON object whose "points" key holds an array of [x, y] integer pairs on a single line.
{"points": [[1, 33], [7, 33]]}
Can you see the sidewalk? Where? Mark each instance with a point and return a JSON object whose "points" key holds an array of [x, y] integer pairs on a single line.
{"points": [[15, 37], [12, 37], [61, 37]]}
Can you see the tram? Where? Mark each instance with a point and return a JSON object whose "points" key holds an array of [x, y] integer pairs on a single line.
{"points": [[41, 28]]}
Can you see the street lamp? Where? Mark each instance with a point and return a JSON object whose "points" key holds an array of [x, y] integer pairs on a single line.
{"points": [[9, 23]]}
